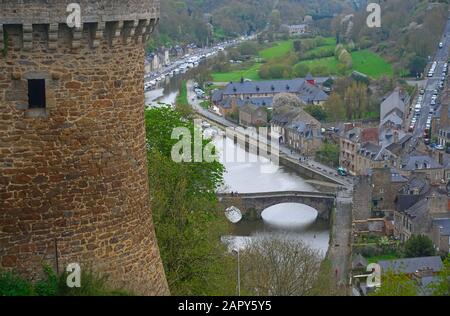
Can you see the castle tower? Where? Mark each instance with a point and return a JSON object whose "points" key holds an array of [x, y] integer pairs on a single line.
{"points": [[73, 172]]}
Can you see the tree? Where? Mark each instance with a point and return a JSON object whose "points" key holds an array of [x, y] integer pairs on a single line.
{"points": [[317, 112], [419, 246], [300, 70], [297, 45], [286, 99], [417, 65], [279, 267], [442, 286], [275, 20], [393, 284], [328, 154], [188, 221]]}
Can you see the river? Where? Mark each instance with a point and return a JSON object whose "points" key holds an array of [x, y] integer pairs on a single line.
{"points": [[292, 221]]}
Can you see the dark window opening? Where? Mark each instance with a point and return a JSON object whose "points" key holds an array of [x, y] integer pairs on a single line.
{"points": [[36, 93]]}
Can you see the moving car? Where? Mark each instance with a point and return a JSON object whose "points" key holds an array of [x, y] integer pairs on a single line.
{"points": [[342, 171]]}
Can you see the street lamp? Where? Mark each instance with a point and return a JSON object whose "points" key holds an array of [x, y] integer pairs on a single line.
{"points": [[238, 271], [234, 215]]}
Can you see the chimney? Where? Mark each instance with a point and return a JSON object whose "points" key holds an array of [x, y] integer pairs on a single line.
{"points": [[396, 138]]}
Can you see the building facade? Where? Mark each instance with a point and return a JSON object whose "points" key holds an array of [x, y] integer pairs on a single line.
{"points": [[73, 164]]}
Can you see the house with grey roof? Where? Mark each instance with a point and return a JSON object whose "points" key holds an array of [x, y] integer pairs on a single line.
{"points": [[410, 266], [423, 164], [297, 129], [396, 101], [307, 92], [370, 156], [418, 218]]}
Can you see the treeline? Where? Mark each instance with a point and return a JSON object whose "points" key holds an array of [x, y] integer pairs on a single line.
{"points": [[202, 21], [410, 32]]}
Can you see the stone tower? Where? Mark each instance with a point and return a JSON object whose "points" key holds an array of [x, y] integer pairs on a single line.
{"points": [[73, 168]]}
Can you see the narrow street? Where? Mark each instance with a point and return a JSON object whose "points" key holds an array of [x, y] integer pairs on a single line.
{"points": [[340, 246]]}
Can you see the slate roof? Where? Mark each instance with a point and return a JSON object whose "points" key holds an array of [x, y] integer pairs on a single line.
{"points": [[306, 91], [217, 96], [374, 152], [250, 108], [418, 210], [411, 265], [259, 102], [396, 177], [396, 100], [394, 118], [420, 162]]}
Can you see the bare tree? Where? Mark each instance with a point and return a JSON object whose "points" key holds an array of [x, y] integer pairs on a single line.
{"points": [[279, 267], [286, 99]]}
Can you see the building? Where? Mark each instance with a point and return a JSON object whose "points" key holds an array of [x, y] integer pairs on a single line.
{"points": [[423, 270], [370, 156], [252, 115], [417, 219], [441, 234], [394, 105], [297, 129], [297, 29], [422, 164], [385, 185], [307, 92], [73, 163], [359, 149]]}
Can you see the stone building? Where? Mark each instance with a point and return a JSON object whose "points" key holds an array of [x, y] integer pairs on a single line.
{"points": [[252, 115], [73, 167], [418, 219], [297, 129], [441, 234], [421, 164]]}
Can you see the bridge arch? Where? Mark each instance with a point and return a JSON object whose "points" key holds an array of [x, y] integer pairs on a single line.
{"points": [[253, 204]]}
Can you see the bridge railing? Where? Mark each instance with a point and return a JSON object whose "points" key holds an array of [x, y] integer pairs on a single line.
{"points": [[279, 193]]}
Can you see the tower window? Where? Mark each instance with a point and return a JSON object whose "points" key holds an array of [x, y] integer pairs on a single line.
{"points": [[36, 93]]}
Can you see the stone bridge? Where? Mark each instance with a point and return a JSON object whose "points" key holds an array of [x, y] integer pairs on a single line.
{"points": [[253, 204]]}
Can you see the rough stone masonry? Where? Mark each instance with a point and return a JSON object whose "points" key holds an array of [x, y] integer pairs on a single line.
{"points": [[73, 173]]}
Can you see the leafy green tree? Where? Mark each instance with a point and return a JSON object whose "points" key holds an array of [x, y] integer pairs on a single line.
{"points": [[188, 220], [328, 154], [419, 246], [396, 285], [416, 65], [300, 70], [317, 112], [442, 286]]}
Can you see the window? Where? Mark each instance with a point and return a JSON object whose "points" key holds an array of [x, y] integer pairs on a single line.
{"points": [[36, 93]]}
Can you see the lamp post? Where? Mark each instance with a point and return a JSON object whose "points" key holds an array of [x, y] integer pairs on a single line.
{"points": [[238, 271], [234, 215]]}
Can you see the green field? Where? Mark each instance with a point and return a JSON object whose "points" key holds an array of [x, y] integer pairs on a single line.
{"points": [[279, 50], [371, 64], [364, 61], [251, 73]]}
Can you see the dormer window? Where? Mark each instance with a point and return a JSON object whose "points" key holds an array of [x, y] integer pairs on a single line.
{"points": [[287, 87]]}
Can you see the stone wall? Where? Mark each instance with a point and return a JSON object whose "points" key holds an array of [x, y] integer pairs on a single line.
{"points": [[73, 176]]}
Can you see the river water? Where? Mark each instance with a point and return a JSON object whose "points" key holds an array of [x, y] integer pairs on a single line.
{"points": [[292, 221]]}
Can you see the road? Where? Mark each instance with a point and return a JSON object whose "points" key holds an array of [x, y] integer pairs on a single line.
{"points": [[326, 171], [432, 83]]}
